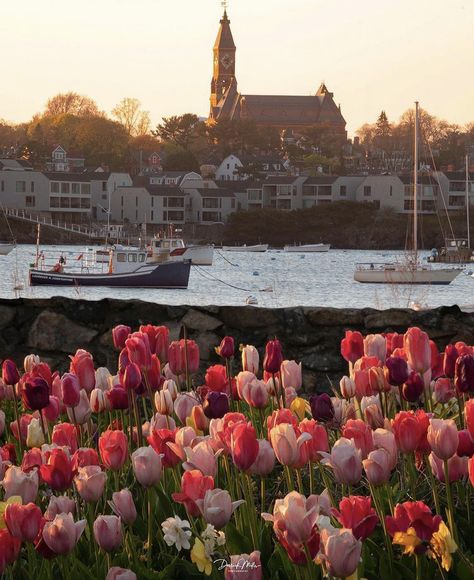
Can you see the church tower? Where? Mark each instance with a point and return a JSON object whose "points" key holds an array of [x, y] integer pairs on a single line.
{"points": [[224, 62]]}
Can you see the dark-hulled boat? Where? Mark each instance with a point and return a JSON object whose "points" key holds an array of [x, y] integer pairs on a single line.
{"points": [[127, 268]]}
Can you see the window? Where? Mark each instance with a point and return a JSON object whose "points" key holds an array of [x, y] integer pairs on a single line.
{"points": [[324, 190], [152, 215], [121, 257], [343, 190], [104, 196], [173, 216], [136, 215], [211, 216], [254, 194], [210, 202], [284, 204], [75, 203], [232, 203], [85, 202], [152, 201], [309, 190], [86, 189], [54, 202], [121, 201], [32, 187], [21, 186], [141, 257], [457, 200], [391, 188], [175, 201], [367, 190], [104, 186], [136, 201], [54, 187], [427, 205], [228, 166], [30, 201], [64, 202], [132, 257], [75, 188], [65, 188]]}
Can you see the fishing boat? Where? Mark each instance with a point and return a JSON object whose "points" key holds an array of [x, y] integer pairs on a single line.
{"points": [[245, 248], [307, 248], [127, 268], [6, 248], [411, 271], [179, 251]]}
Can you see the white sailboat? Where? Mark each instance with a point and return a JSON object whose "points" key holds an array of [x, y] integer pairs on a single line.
{"points": [[245, 248], [308, 248], [412, 271]]}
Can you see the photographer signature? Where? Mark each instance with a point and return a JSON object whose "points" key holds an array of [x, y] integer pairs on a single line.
{"points": [[241, 565]]}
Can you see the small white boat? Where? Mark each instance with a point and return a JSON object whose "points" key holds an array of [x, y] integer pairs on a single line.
{"points": [[303, 248], [245, 248], [6, 248], [179, 251], [373, 273]]}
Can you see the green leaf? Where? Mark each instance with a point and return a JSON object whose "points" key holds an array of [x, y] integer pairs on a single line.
{"points": [[236, 542]]}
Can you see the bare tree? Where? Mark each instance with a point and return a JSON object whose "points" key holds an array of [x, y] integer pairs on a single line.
{"points": [[73, 104], [129, 114]]}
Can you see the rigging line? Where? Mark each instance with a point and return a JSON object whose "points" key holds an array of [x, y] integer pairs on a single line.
{"points": [[435, 197], [6, 219], [442, 194], [209, 276], [228, 261]]}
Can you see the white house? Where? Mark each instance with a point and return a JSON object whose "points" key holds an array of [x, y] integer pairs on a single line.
{"points": [[228, 169]]}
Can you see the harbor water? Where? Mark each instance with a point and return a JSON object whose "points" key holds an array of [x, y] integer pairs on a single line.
{"points": [[274, 279]]}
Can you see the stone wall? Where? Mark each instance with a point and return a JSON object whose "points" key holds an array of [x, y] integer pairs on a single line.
{"points": [[55, 328]]}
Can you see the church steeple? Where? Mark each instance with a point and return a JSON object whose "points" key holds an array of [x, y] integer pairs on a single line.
{"points": [[224, 61]]}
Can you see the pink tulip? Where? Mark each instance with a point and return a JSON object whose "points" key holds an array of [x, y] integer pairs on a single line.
{"points": [[341, 551], [117, 573], [255, 394], [443, 437], [82, 365], [138, 349], [469, 416], [120, 333], [23, 521], [122, 505], [98, 401], [52, 411], [375, 345], [377, 467], [164, 402], [16, 482], [250, 359], [291, 374], [59, 504], [244, 566], [82, 412], [147, 466], [348, 388], [90, 483], [286, 443], [417, 347], [65, 435], [361, 434], [265, 461], [217, 507], [202, 457], [242, 380], [183, 406], [443, 390], [113, 448], [177, 357], [343, 411], [62, 534], [384, 439], [108, 532], [319, 438], [345, 460], [457, 467]]}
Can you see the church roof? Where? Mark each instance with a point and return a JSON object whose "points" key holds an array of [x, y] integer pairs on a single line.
{"points": [[224, 36]]}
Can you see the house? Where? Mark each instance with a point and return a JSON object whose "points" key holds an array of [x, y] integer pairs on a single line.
{"points": [[283, 192], [62, 160], [453, 187], [228, 170]]}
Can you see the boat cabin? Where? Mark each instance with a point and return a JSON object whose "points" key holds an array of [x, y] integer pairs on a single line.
{"points": [[126, 259]]}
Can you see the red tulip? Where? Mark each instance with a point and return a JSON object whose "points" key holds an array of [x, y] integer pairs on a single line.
{"points": [[84, 457], [132, 377], [31, 459], [153, 374], [469, 416], [394, 340], [319, 438], [244, 446], [138, 349], [417, 515], [229, 422], [281, 416], [82, 366], [413, 387], [361, 434], [177, 357], [273, 356], [158, 439], [464, 373], [226, 348], [465, 445], [10, 374], [417, 347], [444, 390], [113, 449], [117, 398], [9, 549], [70, 390], [57, 472], [357, 514], [471, 470], [23, 521], [25, 420], [216, 378], [65, 435], [120, 333], [162, 335], [52, 411], [450, 357], [352, 346], [410, 430], [193, 487]]}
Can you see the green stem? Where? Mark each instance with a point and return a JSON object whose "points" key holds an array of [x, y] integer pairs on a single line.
{"points": [[17, 418], [450, 510], [150, 520]]}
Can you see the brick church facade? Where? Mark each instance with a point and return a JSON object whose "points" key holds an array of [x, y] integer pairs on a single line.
{"points": [[282, 112]]}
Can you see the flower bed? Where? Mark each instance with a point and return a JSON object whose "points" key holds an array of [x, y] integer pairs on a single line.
{"points": [[144, 474]]}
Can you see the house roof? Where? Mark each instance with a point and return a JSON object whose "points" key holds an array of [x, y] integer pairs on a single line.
{"points": [[280, 179], [321, 180], [14, 164], [164, 191], [215, 192], [64, 176], [407, 179], [458, 175]]}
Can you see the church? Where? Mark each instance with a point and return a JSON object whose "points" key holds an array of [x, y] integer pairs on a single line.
{"points": [[286, 112]]}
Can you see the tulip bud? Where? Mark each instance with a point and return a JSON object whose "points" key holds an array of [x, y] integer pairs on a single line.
{"points": [[396, 370], [2, 422], [215, 405], [98, 401], [117, 573], [108, 532], [10, 374], [464, 373], [273, 356], [102, 378], [413, 387], [123, 506], [348, 388], [120, 333], [82, 411], [226, 348], [465, 445], [170, 386], [23, 521], [35, 393], [164, 402], [147, 466], [322, 408], [117, 398], [132, 378], [443, 390], [291, 374], [30, 362], [443, 437], [265, 461], [250, 359], [70, 390], [183, 406], [450, 357], [90, 483], [35, 436], [352, 346]]}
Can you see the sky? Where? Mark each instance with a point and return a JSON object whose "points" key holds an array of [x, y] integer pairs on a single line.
{"points": [[373, 54]]}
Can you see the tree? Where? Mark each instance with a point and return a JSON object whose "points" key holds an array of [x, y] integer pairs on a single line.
{"points": [[129, 114], [181, 130], [71, 104], [179, 159]]}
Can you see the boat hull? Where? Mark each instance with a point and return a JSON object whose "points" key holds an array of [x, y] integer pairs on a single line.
{"points": [[256, 248], [5, 249], [173, 275], [441, 277], [308, 248], [199, 255]]}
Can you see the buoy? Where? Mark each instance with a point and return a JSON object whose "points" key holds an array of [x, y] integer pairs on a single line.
{"points": [[251, 300], [256, 273]]}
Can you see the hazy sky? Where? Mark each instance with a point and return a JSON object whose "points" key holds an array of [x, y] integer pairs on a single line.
{"points": [[373, 54]]}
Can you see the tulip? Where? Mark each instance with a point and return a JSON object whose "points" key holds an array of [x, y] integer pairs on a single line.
{"points": [[177, 357], [265, 461], [215, 405], [409, 430], [357, 514], [319, 438], [183, 405], [464, 373], [413, 387], [396, 370], [9, 549], [291, 374], [117, 398], [450, 357], [361, 434], [443, 437], [443, 390], [84, 457], [471, 470], [198, 419], [457, 468], [120, 333], [113, 449], [34, 393], [52, 411], [108, 532], [162, 335], [90, 483], [23, 521], [341, 551], [65, 435], [348, 388], [345, 460], [216, 378], [62, 534], [132, 377], [202, 457], [123, 506], [377, 467], [322, 408], [117, 573], [147, 466], [384, 439], [35, 435], [273, 356], [82, 413], [138, 349], [250, 359], [469, 416], [226, 347], [244, 446], [59, 505], [57, 472], [16, 482], [25, 420], [244, 565], [280, 416], [375, 345], [286, 443], [465, 445], [352, 346], [374, 417], [2, 422], [217, 507], [164, 402], [10, 374], [30, 361], [417, 347], [194, 486], [98, 401], [416, 515], [70, 390], [159, 439], [82, 366], [171, 386]]}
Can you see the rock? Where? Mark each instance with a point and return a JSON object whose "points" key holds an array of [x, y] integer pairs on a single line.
{"points": [[334, 316], [393, 318], [51, 331], [197, 320], [7, 314], [207, 341], [244, 317]]}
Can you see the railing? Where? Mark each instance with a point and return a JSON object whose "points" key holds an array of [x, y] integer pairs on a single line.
{"points": [[47, 221]]}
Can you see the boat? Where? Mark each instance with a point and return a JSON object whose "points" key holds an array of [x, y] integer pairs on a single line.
{"points": [[245, 248], [6, 248], [412, 271], [304, 248], [127, 268], [179, 251]]}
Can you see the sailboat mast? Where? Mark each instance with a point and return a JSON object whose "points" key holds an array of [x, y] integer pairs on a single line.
{"points": [[415, 188], [467, 204]]}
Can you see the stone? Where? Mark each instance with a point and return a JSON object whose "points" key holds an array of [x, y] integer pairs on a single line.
{"points": [[387, 319], [334, 316], [51, 331], [197, 320], [7, 314], [244, 317], [207, 341]]}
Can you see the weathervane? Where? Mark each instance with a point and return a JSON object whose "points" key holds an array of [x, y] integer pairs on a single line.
{"points": [[224, 4]]}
